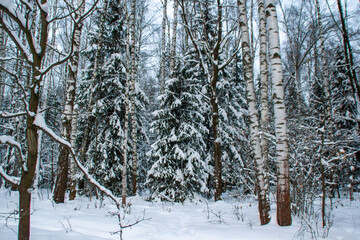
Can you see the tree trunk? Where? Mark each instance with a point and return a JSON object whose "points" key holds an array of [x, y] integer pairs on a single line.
{"points": [[67, 118], [327, 110], [215, 108], [72, 182], [264, 119], [163, 49], [349, 59], [173, 40], [27, 177], [263, 202], [127, 102], [132, 99], [282, 149], [217, 140], [2, 64]]}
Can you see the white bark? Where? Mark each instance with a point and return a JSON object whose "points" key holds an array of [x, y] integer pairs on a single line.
{"points": [[253, 113], [163, 49], [2, 65], [324, 72], [173, 40], [133, 95], [282, 149]]}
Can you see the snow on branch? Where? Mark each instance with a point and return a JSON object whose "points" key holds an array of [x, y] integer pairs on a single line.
{"points": [[4, 114], [40, 123], [15, 15], [4, 139], [11, 179]]}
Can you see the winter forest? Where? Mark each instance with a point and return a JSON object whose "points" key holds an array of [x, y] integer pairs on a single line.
{"points": [[168, 104]]}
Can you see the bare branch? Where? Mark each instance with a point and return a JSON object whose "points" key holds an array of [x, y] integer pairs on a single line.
{"points": [[4, 114]]}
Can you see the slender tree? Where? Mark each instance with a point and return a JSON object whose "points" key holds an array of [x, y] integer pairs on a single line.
{"points": [[264, 207], [163, 47], [133, 70], [282, 148]]}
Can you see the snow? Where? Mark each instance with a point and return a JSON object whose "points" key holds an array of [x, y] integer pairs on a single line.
{"points": [[228, 219], [4, 139]]}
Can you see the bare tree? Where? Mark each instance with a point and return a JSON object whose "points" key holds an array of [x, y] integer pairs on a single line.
{"points": [[133, 68], [173, 39], [163, 48], [282, 148], [264, 106], [264, 206]]}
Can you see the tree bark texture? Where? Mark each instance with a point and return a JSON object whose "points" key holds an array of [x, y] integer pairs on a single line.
{"points": [[282, 149], [163, 48], [327, 110], [214, 104], [132, 99], [263, 202], [2, 74], [173, 39], [72, 180]]}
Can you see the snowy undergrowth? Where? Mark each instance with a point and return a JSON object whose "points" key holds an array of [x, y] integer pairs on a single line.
{"points": [[228, 219]]}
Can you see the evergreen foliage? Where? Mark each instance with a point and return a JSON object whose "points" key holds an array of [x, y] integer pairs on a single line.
{"points": [[180, 167]]}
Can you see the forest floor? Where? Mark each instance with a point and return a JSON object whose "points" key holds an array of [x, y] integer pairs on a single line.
{"points": [[229, 219]]}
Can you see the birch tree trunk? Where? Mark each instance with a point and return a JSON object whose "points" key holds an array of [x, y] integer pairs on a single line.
{"points": [[263, 202], [163, 49], [133, 95], [72, 183], [282, 149], [2, 64], [327, 109], [67, 118], [173, 40]]}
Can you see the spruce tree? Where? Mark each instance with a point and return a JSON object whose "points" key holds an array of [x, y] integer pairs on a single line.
{"points": [[107, 108], [180, 169]]}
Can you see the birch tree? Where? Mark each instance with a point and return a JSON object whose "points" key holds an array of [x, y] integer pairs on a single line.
{"points": [[264, 206], [163, 47], [282, 150], [133, 70], [173, 39]]}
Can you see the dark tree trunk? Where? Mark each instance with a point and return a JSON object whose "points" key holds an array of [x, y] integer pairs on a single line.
{"points": [[61, 176], [217, 143], [27, 177]]}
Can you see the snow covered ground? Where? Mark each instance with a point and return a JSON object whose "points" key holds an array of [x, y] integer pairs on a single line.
{"points": [[83, 219]]}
